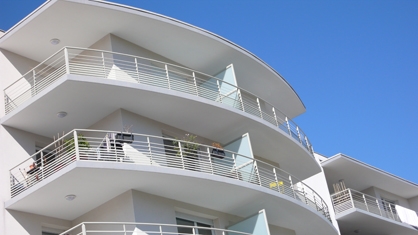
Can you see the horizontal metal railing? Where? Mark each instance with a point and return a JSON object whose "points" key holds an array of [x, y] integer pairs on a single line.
{"points": [[350, 198], [129, 68], [108, 146], [127, 228]]}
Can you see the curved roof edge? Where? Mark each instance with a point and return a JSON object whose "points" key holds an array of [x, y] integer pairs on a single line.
{"points": [[204, 31], [173, 20], [341, 155]]}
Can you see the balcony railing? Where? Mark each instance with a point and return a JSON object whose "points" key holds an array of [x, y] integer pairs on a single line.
{"points": [[126, 228], [350, 198], [126, 148], [128, 68]]}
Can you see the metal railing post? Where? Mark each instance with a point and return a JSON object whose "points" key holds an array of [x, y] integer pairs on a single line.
{"points": [[137, 70], [195, 84], [288, 126], [77, 153], [365, 202], [193, 229], [378, 206], [34, 82], [161, 230], [277, 181], [42, 165], [181, 155], [351, 198], [293, 186], [149, 150], [314, 199], [235, 166], [259, 108], [304, 194], [257, 172], [275, 116], [104, 65], [168, 77], [67, 61], [308, 145], [83, 229], [124, 229], [219, 91], [210, 160], [297, 130], [242, 101], [391, 211]]}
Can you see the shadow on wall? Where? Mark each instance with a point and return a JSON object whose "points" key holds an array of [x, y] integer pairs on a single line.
{"points": [[33, 224], [20, 63]]}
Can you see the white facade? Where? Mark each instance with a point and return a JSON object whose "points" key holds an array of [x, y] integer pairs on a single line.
{"points": [[109, 122]]}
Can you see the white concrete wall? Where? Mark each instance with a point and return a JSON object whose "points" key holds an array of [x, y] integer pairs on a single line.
{"points": [[413, 203], [31, 224], [390, 196], [12, 67], [318, 183], [118, 209], [16, 146]]}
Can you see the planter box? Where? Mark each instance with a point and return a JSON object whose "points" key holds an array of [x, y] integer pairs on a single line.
{"points": [[218, 153], [124, 138]]}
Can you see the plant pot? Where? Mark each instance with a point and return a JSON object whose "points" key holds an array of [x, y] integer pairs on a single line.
{"points": [[124, 138], [218, 153]]}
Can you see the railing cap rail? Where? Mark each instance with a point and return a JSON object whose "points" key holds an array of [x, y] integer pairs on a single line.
{"points": [[153, 224]]}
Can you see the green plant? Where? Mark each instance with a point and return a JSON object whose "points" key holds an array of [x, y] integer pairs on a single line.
{"points": [[82, 143], [188, 144]]}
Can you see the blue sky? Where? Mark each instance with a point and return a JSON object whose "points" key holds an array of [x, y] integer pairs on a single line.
{"points": [[353, 63]]}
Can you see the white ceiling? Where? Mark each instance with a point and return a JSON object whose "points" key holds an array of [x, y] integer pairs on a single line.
{"points": [[82, 23], [370, 224], [359, 176]]}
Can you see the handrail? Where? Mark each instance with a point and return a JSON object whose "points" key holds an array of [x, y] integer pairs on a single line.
{"points": [[128, 228], [136, 69], [141, 149], [350, 198]]}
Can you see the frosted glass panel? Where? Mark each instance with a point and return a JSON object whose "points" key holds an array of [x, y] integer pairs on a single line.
{"points": [[255, 224]]}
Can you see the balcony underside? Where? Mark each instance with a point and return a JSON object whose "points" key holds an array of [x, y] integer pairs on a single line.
{"points": [[370, 224], [88, 100], [97, 182]]}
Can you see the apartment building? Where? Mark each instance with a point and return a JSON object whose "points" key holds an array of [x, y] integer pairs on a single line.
{"points": [[117, 120]]}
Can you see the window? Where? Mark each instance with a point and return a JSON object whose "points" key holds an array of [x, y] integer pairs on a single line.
{"points": [[190, 220], [389, 206], [181, 230], [47, 154]]}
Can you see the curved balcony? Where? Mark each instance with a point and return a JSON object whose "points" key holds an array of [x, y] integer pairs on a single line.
{"points": [[125, 228], [370, 214], [139, 70], [136, 149]]}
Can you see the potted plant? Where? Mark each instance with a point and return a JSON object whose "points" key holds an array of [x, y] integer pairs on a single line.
{"points": [[217, 150], [83, 144], [189, 147]]}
